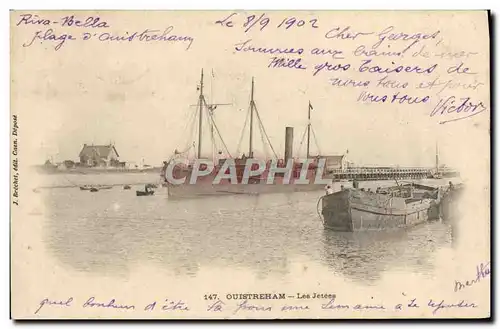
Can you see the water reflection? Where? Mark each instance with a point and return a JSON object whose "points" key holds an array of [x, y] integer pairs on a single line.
{"points": [[365, 256], [111, 232]]}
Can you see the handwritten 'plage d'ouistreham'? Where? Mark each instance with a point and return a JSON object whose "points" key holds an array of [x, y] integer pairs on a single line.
{"points": [[250, 164]]}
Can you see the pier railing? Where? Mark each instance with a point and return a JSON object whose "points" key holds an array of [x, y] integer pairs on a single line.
{"points": [[364, 173]]}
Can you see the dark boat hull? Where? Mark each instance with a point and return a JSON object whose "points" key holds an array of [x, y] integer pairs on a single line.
{"points": [[143, 193], [355, 210]]}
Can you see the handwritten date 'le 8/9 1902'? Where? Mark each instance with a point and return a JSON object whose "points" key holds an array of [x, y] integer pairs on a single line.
{"points": [[250, 21]]}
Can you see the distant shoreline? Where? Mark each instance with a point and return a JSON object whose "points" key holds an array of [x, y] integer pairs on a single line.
{"points": [[86, 171]]}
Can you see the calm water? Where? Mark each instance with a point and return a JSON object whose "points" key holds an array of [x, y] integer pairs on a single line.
{"points": [[112, 231]]}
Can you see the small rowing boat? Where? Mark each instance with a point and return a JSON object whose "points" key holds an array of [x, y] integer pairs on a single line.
{"points": [[144, 193], [95, 187]]}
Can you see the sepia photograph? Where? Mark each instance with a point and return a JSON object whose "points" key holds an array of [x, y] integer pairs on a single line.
{"points": [[250, 164]]}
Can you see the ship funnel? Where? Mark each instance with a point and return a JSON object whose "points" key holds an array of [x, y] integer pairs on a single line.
{"points": [[288, 143]]}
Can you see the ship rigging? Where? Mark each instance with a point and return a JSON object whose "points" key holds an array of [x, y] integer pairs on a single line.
{"points": [[205, 115], [307, 133]]}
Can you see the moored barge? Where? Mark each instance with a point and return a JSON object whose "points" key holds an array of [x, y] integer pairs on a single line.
{"points": [[395, 207]]}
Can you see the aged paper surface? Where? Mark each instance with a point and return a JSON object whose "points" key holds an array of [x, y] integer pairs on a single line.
{"points": [[393, 107]]}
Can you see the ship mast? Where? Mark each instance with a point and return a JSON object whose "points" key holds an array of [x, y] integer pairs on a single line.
{"points": [[265, 137], [252, 104], [308, 130], [201, 101], [437, 159]]}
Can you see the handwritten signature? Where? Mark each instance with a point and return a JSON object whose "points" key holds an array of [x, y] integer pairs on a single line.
{"points": [[482, 271], [467, 108]]}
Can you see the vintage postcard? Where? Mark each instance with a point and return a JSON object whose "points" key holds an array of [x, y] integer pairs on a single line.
{"points": [[250, 164]]}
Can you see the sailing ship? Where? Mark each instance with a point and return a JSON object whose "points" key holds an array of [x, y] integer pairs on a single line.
{"points": [[442, 171], [257, 184], [394, 207]]}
